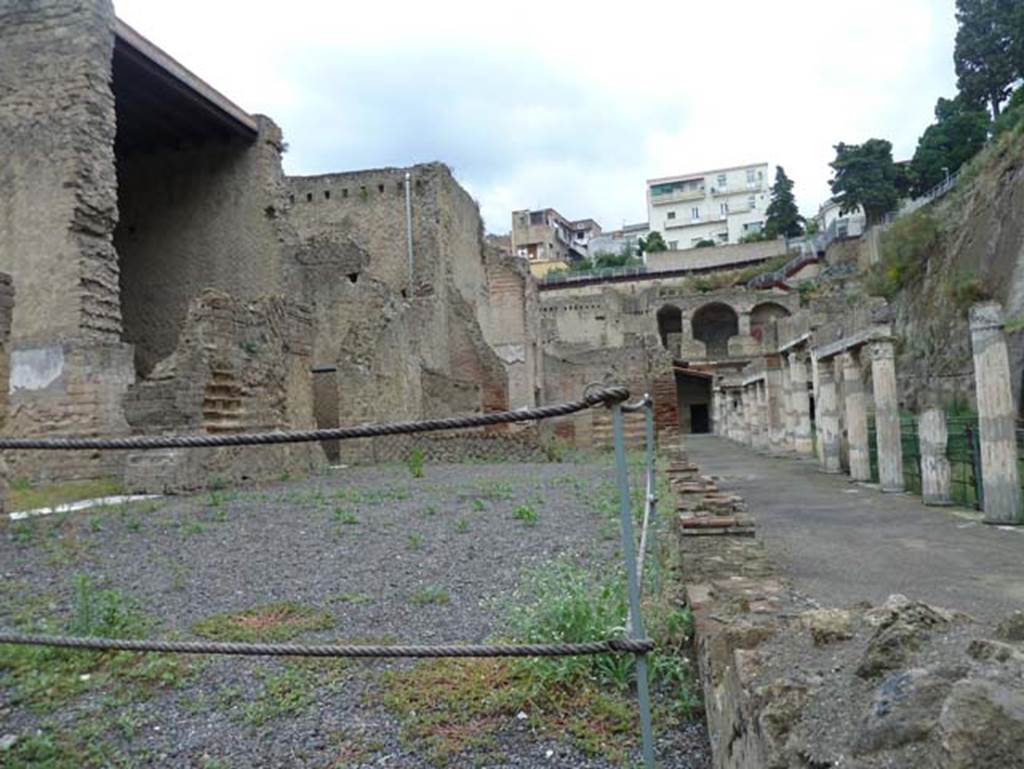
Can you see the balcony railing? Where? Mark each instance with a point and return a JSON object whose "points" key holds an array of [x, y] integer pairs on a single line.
{"points": [[676, 197]]}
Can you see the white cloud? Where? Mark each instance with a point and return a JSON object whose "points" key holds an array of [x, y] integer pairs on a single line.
{"points": [[570, 105]]}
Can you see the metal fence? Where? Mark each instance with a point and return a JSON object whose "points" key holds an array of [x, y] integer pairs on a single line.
{"points": [[962, 452], [634, 642]]}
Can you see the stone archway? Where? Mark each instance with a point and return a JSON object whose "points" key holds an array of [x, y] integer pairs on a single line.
{"points": [[714, 324], [763, 314]]}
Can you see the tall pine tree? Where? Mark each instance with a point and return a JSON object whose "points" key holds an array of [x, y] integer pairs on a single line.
{"points": [[988, 50], [864, 175], [959, 131], [783, 215]]}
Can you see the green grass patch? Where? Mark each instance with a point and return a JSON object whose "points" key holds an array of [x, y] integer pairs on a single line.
{"points": [[526, 514], [46, 678], [24, 495], [415, 463], [448, 708], [268, 623], [431, 596], [347, 517]]}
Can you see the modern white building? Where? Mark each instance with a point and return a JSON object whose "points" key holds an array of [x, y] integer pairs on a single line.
{"points": [[721, 205], [612, 242], [836, 224]]}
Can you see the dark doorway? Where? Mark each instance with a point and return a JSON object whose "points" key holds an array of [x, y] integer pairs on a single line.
{"points": [[325, 407], [699, 420], [693, 394]]}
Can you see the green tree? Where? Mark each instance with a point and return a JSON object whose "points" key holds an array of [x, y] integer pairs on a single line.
{"points": [[864, 175], [652, 244], [988, 54], [783, 217], [1012, 114], [959, 131]]}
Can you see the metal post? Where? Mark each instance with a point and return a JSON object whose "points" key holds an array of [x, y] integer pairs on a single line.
{"points": [[652, 491], [636, 623]]}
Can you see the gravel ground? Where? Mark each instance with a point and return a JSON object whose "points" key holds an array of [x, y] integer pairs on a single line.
{"points": [[370, 546]]}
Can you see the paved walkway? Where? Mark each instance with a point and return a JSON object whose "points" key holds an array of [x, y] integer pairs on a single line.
{"points": [[841, 542]]}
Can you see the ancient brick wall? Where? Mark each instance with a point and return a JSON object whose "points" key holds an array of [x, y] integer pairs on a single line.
{"points": [[210, 222], [407, 343], [58, 190], [238, 367]]}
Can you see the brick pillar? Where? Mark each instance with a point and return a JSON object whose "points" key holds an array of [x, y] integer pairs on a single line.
{"points": [[828, 420], [801, 404], [887, 416], [996, 416], [856, 417], [935, 473]]}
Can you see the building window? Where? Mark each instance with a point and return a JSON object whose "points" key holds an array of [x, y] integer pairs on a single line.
{"points": [[673, 245], [752, 202], [751, 176], [721, 181], [695, 213], [724, 207], [670, 215]]}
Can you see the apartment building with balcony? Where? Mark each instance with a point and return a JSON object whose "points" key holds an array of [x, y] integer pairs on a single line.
{"points": [[548, 240], [721, 205]]}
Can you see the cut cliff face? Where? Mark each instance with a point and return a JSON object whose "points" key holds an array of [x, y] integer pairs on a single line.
{"points": [[978, 253]]}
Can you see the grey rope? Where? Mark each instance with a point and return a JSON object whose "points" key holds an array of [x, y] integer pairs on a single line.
{"points": [[606, 395], [611, 646]]}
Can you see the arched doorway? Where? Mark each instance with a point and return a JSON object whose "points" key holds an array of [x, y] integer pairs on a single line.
{"points": [[670, 321], [762, 315], [714, 324]]}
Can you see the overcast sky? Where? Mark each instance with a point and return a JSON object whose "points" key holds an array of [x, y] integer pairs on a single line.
{"points": [[570, 105]]}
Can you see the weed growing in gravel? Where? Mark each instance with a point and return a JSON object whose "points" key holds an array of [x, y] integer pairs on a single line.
{"points": [[355, 598], [192, 528], [415, 541], [269, 623], [431, 595], [284, 693], [47, 678], [461, 526], [347, 517], [479, 505], [452, 706], [430, 510], [495, 490], [22, 533], [526, 514], [415, 463]]}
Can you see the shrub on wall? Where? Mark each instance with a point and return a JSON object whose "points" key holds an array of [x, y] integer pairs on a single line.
{"points": [[905, 248]]}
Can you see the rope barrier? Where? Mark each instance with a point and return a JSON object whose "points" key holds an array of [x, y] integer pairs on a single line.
{"points": [[610, 646], [604, 396]]}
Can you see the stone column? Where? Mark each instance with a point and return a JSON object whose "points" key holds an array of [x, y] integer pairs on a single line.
{"points": [[788, 414], [828, 416], [932, 436], [800, 401], [887, 416], [747, 401], [856, 417], [996, 416], [776, 404], [763, 417], [816, 389]]}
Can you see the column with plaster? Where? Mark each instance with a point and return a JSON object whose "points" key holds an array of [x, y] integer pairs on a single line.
{"points": [[996, 416], [801, 404], [856, 417], [887, 416], [933, 435], [828, 416]]}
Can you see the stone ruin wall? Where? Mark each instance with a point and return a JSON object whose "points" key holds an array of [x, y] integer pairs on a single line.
{"points": [[405, 345], [58, 210], [239, 366], [212, 221]]}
